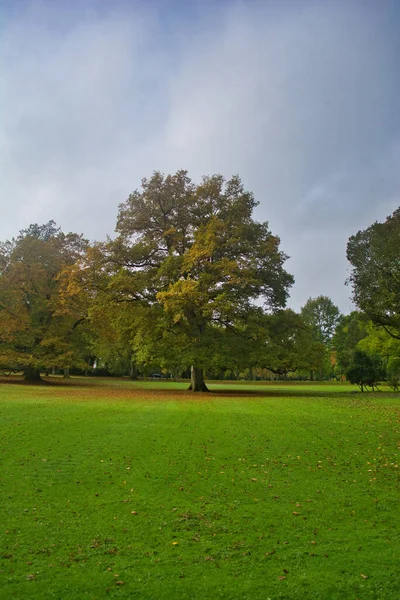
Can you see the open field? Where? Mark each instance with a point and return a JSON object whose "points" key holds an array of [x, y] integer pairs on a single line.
{"points": [[115, 489]]}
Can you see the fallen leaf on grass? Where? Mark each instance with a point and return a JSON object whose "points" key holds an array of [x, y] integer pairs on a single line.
{"points": [[175, 543], [120, 583], [295, 513], [281, 577], [133, 512], [364, 576], [31, 576]]}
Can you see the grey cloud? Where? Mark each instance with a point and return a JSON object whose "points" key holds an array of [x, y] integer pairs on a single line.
{"points": [[298, 98]]}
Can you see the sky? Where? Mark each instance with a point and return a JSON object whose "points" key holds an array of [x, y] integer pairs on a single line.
{"points": [[298, 97]]}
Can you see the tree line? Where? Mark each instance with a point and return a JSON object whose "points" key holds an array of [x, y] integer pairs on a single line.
{"points": [[193, 285]]}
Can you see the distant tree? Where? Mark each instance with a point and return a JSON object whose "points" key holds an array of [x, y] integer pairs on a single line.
{"points": [[365, 370], [288, 345], [350, 330], [375, 277], [35, 330], [322, 315], [193, 259]]}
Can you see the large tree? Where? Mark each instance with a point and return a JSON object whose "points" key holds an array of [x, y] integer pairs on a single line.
{"points": [[374, 254], [193, 257], [35, 329]]}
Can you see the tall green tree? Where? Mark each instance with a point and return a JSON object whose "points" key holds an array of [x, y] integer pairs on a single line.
{"points": [[322, 315], [35, 330], [350, 330], [195, 257], [374, 254]]}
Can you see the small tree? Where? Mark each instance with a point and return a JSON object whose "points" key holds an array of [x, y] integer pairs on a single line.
{"points": [[365, 370]]}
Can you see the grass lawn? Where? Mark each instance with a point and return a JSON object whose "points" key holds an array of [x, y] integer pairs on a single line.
{"points": [[120, 490]]}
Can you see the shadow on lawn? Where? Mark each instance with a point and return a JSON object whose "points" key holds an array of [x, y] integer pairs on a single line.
{"points": [[98, 385]]}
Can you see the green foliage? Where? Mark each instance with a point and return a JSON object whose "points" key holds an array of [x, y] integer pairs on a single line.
{"points": [[36, 328], [196, 264], [375, 257], [322, 316], [350, 330], [365, 370], [379, 341], [393, 372], [128, 496], [288, 345]]}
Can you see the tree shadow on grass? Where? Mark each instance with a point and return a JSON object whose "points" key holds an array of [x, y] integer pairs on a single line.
{"points": [[127, 391]]}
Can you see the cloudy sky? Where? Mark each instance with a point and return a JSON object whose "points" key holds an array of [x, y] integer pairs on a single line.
{"points": [[299, 97]]}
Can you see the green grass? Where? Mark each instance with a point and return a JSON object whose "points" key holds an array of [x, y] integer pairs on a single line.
{"points": [[111, 491]]}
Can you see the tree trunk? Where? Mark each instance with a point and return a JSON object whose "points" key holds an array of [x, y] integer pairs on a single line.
{"points": [[32, 375], [66, 373], [133, 371], [197, 383]]}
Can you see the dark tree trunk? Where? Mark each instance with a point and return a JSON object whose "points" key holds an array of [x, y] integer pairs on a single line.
{"points": [[133, 371], [311, 375], [32, 375], [66, 373], [197, 383]]}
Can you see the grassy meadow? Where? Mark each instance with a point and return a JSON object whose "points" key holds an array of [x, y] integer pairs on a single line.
{"points": [[116, 489]]}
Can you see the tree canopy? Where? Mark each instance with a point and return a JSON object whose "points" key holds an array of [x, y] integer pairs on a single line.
{"points": [[195, 257], [35, 330], [365, 369], [192, 280], [322, 316], [374, 254]]}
